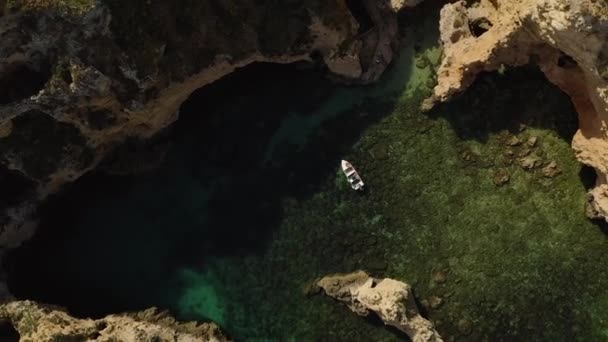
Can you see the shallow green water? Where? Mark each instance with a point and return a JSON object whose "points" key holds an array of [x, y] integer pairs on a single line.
{"points": [[250, 207]]}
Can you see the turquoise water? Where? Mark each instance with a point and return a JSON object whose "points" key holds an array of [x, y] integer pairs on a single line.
{"points": [[250, 207]]}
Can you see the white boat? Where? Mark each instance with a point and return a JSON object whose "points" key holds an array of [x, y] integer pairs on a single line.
{"points": [[351, 174]]}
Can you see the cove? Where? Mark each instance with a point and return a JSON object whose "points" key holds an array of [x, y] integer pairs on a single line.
{"points": [[249, 207]]}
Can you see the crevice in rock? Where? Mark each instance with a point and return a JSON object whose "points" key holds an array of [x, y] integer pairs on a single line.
{"points": [[22, 81], [359, 12], [479, 26], [8, 333], [588, 176], [566, 62]]}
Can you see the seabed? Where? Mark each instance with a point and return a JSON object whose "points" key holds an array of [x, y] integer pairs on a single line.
{"points": [[250, 207]]}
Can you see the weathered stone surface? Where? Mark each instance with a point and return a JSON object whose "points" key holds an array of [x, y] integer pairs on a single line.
{"points": [[40, 323], [435, 302], [551, 170], [530, 162], [390, 299], [568, 39], [501, 177], [398, 5]]}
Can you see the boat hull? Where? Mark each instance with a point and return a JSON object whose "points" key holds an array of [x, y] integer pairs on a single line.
{"points": [[352, 175]]}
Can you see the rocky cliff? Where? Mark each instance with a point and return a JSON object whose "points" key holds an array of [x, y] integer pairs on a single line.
{"points": [[78, 78], [567, 39], [35, 322], [392, 300]]}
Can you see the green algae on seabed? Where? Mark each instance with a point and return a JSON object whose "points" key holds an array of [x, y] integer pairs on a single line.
{"points": [[514, 262], [520, 260]]}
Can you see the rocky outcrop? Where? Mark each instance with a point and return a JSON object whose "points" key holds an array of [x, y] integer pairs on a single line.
{"points": [[78, 78], [35, 322], [390, 299], [567, 39]]}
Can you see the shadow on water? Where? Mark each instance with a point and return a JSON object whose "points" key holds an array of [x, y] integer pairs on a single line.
{"points": [[113, 243]]}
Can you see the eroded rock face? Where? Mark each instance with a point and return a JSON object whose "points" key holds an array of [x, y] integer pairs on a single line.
{"points": [[568, 39], [77, 78], [390, 299], [35, 322]]}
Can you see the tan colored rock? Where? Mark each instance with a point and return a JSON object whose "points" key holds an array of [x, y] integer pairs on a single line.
{"points": [[390, 299], [566, 38], [501, 177], [435, 302], [398, 5], [551, 170], [513, 141], [38, 323], [530, 162]]}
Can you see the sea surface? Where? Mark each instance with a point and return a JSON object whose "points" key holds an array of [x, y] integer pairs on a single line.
{"points": [[249, 207]]}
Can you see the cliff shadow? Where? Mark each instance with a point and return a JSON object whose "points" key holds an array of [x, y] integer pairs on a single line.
{"points": [[512, 100], [242, 145], [507, 104]]}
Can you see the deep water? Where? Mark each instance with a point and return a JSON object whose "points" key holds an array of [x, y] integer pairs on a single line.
{"points": [[249, 207]]}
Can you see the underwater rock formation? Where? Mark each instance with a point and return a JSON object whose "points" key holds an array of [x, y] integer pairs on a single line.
{"points": [[390, 299], [35, 322], [568, 40], [79, 78]]}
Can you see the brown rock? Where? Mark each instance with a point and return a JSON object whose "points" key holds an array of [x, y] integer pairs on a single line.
{"points": [[525, 152], [513, 141], [435, 302], [391, 300], [522, 127], [501, 177], [530, 163], [532, 141], [551, 170], [439, 277], [465, 326], [37, 322]]}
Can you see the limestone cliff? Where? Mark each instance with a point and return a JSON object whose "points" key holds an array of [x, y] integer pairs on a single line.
{"points": [[77, 78], [390, 299], [567, 39], [35, 322]]}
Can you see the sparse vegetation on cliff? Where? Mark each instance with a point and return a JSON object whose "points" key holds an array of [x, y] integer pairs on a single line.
{"points": [[72, 7]]}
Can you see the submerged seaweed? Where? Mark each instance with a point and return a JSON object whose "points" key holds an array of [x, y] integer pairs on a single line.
{"points": [[250, 207]]}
